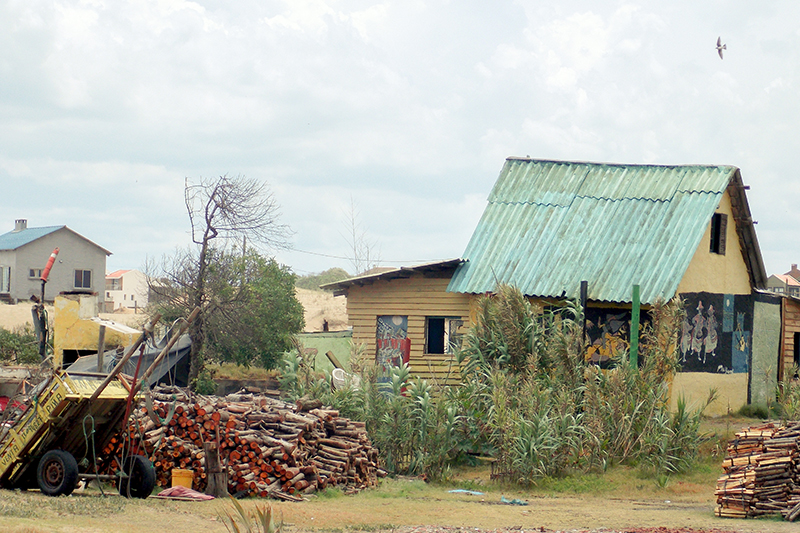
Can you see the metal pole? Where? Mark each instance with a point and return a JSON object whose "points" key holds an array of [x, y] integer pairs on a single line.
{"points": [[117, 369], [584, 299], [165, 351], [635, 306], [101, 348]]}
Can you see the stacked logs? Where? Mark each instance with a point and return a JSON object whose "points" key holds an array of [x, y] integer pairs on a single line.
{"points": [[267, 447], [761, 467]]}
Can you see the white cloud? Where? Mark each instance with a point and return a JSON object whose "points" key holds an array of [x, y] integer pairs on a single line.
{"points": [[409, 106]]}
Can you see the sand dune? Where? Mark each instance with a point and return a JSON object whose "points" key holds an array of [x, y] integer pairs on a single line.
{"points": [[319, 307]]}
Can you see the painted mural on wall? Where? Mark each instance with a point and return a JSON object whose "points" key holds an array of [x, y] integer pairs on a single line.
{"points": [[716, 333], [393, 345], [607, 332]]}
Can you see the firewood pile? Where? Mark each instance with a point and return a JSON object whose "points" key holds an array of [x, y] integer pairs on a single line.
{"points": [[762, 473], [267, 448]]}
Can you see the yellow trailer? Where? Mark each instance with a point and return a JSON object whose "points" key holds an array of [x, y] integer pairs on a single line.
{"points": [[70, 417]]}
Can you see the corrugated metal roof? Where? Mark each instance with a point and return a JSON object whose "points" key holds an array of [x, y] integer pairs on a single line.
{"points": [[14, 239], [551, 224]]}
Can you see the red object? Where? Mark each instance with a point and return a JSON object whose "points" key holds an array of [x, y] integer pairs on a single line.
{"points": [[50, 262]]}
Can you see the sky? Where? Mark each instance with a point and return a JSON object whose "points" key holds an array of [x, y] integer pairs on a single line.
{"points": [[395, 115]]}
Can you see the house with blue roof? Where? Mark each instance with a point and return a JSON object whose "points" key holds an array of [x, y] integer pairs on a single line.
{"points": [[551, 227], [80, 264]]}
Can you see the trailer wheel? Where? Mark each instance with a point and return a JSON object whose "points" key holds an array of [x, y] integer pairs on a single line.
{"points": [[57, 473], [141, 477]]}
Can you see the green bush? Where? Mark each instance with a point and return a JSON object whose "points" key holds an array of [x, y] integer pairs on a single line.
{"points": [[528, 398], [19, 346]]}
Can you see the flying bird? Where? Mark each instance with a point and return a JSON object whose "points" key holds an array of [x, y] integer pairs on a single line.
{"points": [[721, 47]]}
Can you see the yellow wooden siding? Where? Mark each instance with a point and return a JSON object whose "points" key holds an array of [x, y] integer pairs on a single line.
{"points": [[416, 297]]}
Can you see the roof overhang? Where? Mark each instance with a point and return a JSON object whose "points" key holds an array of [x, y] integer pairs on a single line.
{"points": [[341, 287]]}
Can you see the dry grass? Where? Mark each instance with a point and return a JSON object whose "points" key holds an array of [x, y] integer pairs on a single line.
{"points": [[618, 499]]}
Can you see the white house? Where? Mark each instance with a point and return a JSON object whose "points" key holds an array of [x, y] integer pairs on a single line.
{"points": [[126, 289], [24, 253]]}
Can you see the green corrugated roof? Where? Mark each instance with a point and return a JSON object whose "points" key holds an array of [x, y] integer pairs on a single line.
{"points": [[551, 224]]}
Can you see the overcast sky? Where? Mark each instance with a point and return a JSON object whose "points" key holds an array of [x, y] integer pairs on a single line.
{"points": [[407, 108]]}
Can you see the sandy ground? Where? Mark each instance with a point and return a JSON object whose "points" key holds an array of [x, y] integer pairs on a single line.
{"points": [[319, 307], [323, 306]]}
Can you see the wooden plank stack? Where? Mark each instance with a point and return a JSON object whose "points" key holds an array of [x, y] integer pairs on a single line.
{"points": [[267, 447], [762, 467]]}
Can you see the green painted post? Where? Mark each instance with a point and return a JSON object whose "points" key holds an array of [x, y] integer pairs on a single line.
{"points": [[635, 304]]}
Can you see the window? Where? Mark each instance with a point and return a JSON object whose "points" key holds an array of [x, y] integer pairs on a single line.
{"points": [[35, 273], [719, 224], [442, 334], [5, 279], [796, 354], [83, 279], [114, 284]]}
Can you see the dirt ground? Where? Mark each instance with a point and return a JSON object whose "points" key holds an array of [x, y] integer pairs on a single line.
{"points": [[397, 510], [319, 307]]}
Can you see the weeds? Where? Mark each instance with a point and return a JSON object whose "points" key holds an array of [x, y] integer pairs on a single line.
{"points": [[259, 520], [528, 398]]}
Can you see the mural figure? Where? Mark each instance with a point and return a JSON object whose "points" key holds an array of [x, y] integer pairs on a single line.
{"points": [[711, 334], [698, 336], [393, 344], [741, 345], [686, 338], [609, 340]]}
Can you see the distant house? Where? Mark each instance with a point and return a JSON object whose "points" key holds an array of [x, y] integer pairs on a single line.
{"points": [[24, 252], [783, 284], [550, 225], [126, 289]]}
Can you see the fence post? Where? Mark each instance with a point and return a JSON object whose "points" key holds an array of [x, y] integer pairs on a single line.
{"points": [[635, 304]]}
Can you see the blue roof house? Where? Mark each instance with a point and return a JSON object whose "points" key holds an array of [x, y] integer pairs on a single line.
{"points": [[24, 252]]}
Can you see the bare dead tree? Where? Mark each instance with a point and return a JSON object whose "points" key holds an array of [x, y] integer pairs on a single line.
{"points": [[363, 254], [223, 212]]}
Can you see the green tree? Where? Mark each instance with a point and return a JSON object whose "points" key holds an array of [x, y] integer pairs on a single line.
{"points": [[224, 212], [258, 326]]}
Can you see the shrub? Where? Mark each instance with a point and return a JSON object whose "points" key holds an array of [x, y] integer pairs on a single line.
{"points": [[19, 345]]}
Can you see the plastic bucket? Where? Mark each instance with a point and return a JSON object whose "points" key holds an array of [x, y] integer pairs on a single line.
{"points": [[181, 478]]}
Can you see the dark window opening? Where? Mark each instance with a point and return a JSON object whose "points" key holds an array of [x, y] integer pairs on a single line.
{"points": [[435, 341], [443, 335], [719, 225], [796, 354]]}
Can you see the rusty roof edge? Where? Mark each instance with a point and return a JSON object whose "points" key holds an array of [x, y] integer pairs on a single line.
{"points": [[745, 229]]}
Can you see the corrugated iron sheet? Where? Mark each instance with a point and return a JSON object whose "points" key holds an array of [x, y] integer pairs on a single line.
{"points": [[551, 224]]}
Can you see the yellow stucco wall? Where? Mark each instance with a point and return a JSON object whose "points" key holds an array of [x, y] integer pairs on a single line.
{"points": [[73, 328], [721, 274], [694, 386]]}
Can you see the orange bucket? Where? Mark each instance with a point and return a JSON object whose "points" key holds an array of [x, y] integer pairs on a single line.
{"points": [[182, 478]]}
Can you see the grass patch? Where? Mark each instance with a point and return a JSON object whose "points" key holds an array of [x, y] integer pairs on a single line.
{"points": [[234, 371]]}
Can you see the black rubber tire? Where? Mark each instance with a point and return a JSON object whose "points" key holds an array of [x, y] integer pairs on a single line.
{"points": [[141, 477], [57, 473]]}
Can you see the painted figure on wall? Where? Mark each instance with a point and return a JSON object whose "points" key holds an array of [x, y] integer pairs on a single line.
{"points": [[715, 333], [606, 335], [393, 345], [711, 334], [698, 333]]}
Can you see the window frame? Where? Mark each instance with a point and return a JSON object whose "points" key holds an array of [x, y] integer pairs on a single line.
{"points": [[450, 339], [719, 228], [83, 274]]}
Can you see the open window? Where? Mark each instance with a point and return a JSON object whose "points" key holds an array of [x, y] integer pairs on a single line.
{"points": [[443, 334], [719, 225]]}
